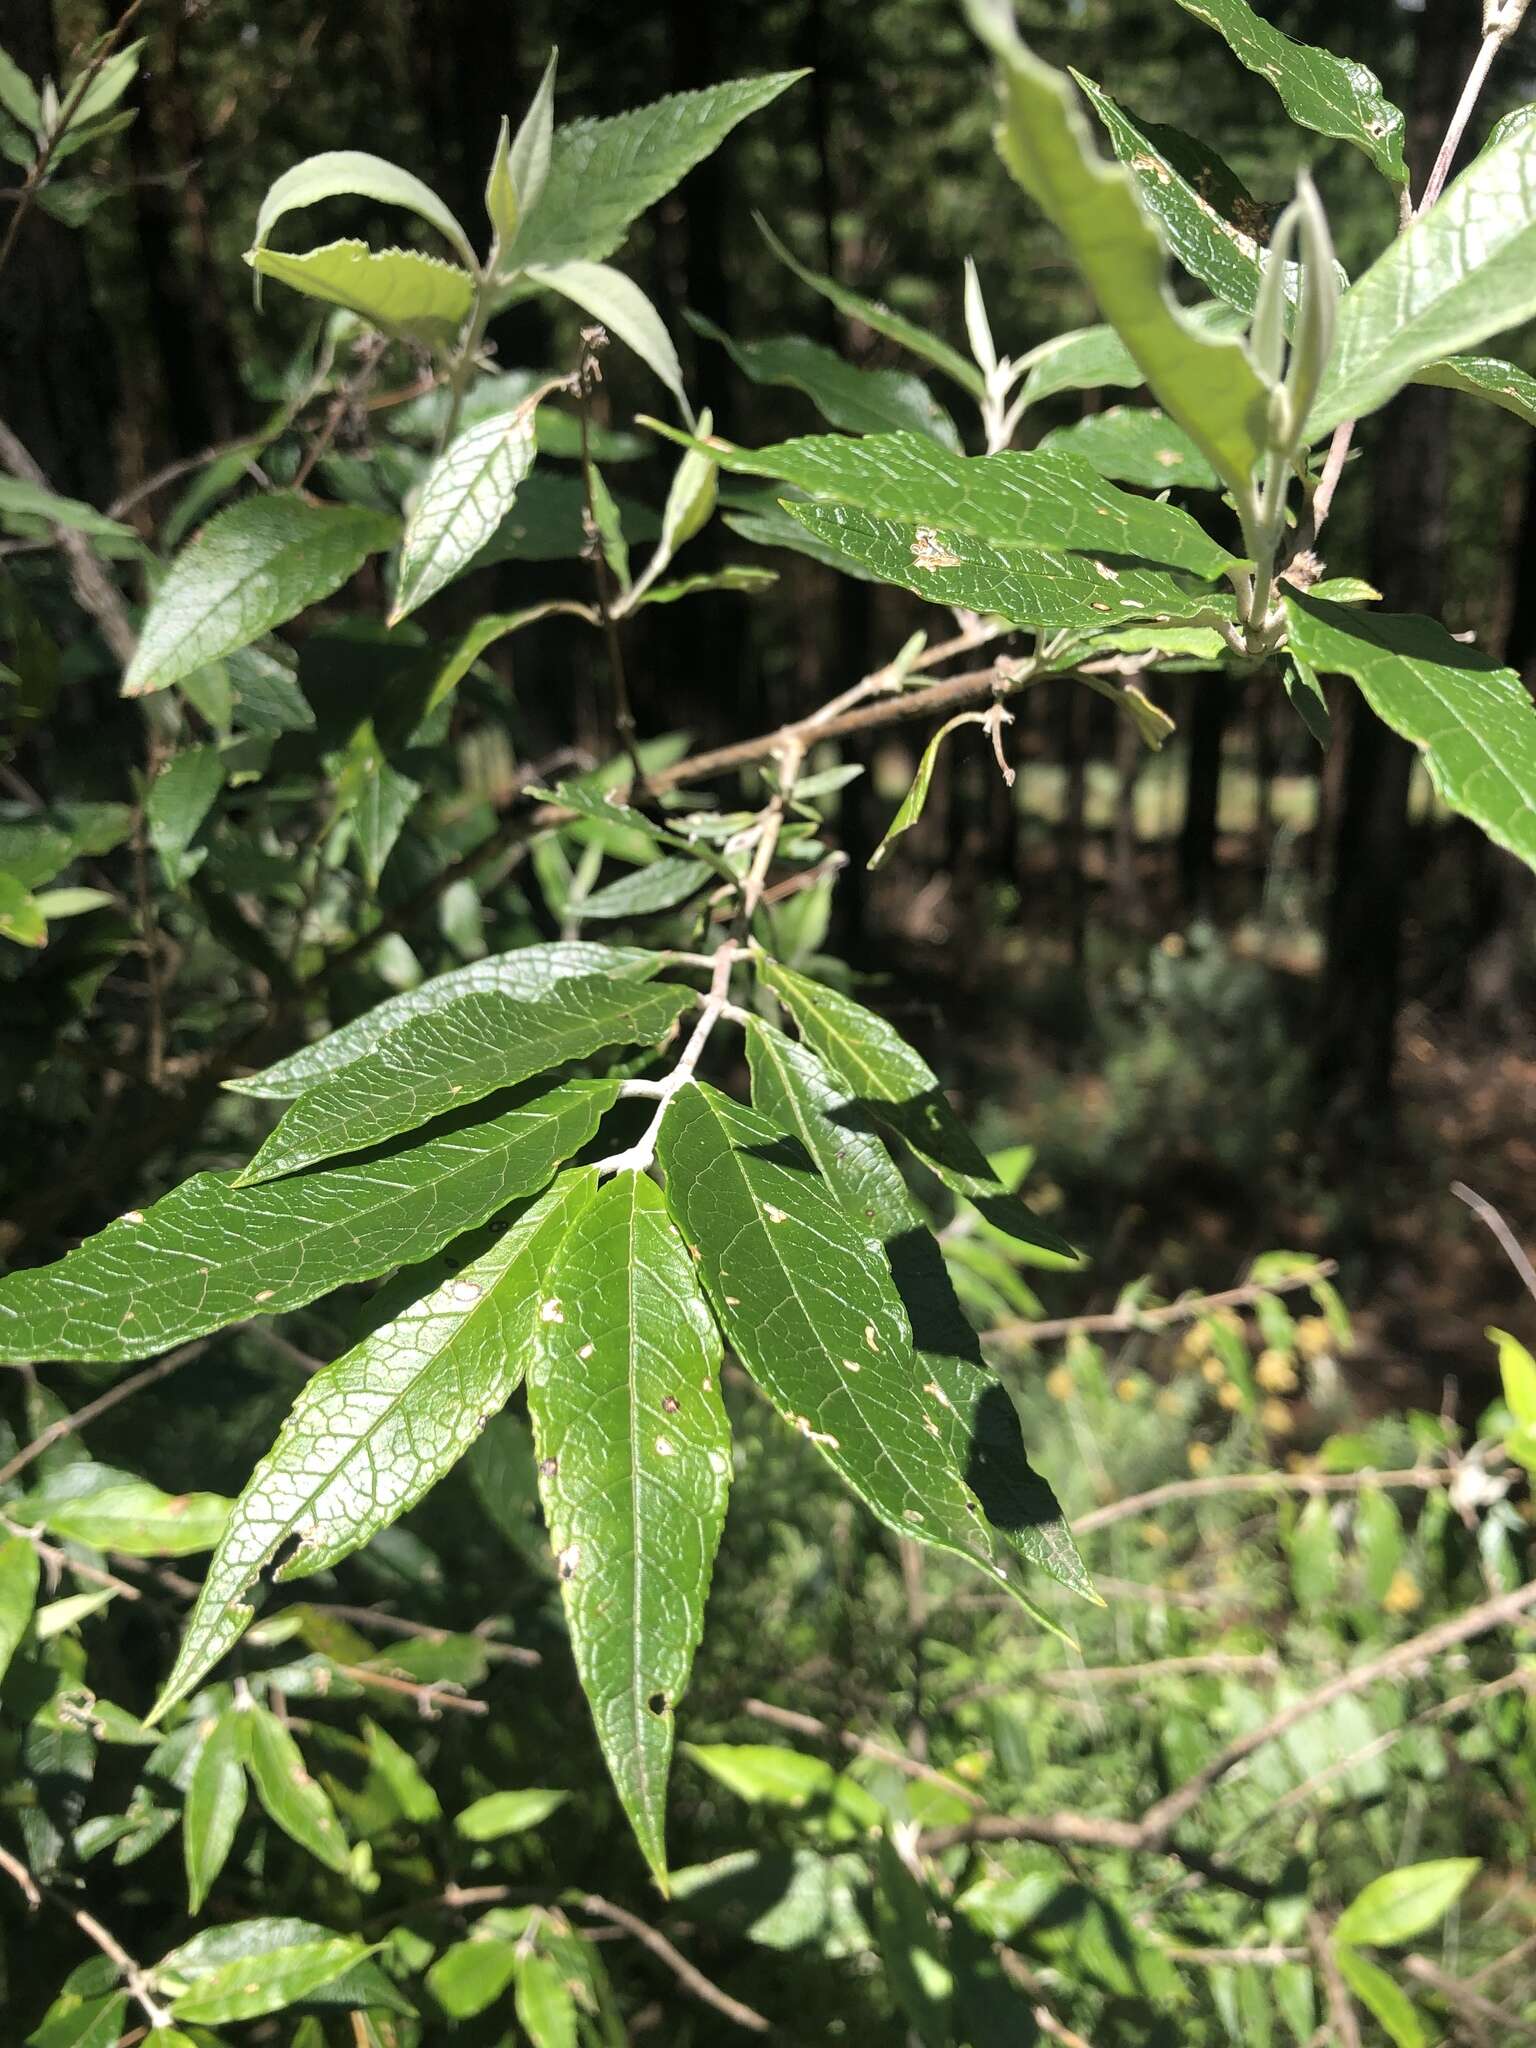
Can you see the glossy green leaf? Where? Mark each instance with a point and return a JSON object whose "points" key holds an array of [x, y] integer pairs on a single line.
{"points": [[546, 2009], [353, 173], [880, 1070], [1462, 271], [373, 1432], [247, 1987], [456, 1055], [524, 976], [879, 319], [507, 1813], [1204, 381], [1330, 95], [1134, 445], [917, 795], [604, 174], [634, 1466], [291, 1797], [618, 303], [110, 1510], [215, 1803], [402, 291], [252, 566], [1381, 1996], [858, 401], [470, 1976], [807, 1303], [464, 497], [1030, 586], [20, 1569], [660, 885], [209, 1253], [1485, 377], [1014, 499], [1471, 719], [1087, 360], [179, 799], [1406, 1902], [970, 1409]]}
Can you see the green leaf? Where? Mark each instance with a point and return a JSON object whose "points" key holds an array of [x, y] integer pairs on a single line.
{"points": [[620, 305], [209, 1253], [338, 173], [609, 522], [764, 1774], [179, 799], [402, 291], [1471, 719], [971, 1410], [1012, 499], [21, 917], [879, 319], [373, 1432], [36, 848], [464, 497], [1485, 377], [1406, 1902], [1204, 381], [736, 576], [878, 1067], [520, 169], [507, 1813], [470, 1976], [1517, 1374], [1028, 585], [215, 1802], [78, 2019], [376, 797], [546, 2009], [1134, 445], [20, 1569], [249, 1986], [661, 885], [807, 1303], [1306, 693], [524, 976], [291, 1797], [1086, 360], [32, 504], [410, 1791], [604, 174], [912, 1949], [1330, 95], [634, 1466], [917, 795], [1381, 1996], [1462, 271], [18, 95], [858, 401], [473, 642], [252, 566], [456, 1055], [690, 495], [92, 1504]]}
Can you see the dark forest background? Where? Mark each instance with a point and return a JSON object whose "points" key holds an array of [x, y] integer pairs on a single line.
{"points": [[1237, 993]]}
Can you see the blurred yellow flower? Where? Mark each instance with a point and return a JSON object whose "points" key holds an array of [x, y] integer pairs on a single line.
{"points": [[1170, 1402], [1214, 1371], [1230, 1396], [1314, 1339], [1277, 1418], [1199, 1456], [1059, 1384], [1128, 1388], [1275, 1372], [1403, 1595], [1195, 1342], [1153, 1535]]}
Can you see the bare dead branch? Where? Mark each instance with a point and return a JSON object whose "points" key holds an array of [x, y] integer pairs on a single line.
{"points": [[687, 1974]]}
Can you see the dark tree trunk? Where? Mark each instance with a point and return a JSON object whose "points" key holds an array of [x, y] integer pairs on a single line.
{"points": [[1209, 710], [1362, 978]]}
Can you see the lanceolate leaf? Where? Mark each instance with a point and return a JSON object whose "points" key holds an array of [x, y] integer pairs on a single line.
{"points": [[1207, 383], [111, 1510], [634, 1464], [456, 1055], [604, 174], [525, 976], [214, 1804], [661, 885], [1330, 95], [1485, 377], [401, 291], [1471, 719], [353, 173], [618, 302], [257, 1981], [968, 1405], [858, 401], [1462, 271], [209, 1253], [1014, 499], [1406, 1902], [880, 319], [1382, 1997], [253, 565], [806, 1300], [1029, 585], [20, 1569], [1087, 360], [879, 1069], [298, 1805], [464, 497], [1135, 445], [372, 1433], [917, 796]]}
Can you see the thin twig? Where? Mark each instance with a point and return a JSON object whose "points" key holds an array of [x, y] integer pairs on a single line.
{"points": [[397, 1625], [691, 1978], [1341, 2007], [1477, 78], [1271, 1956], [1126, 1321], [94, 589], [67, 1425], [135, 1978], [430, 1699], [859, 1745], [1485, 1212], [62, 1561], [1460, 1996], [1422, 1477]]}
